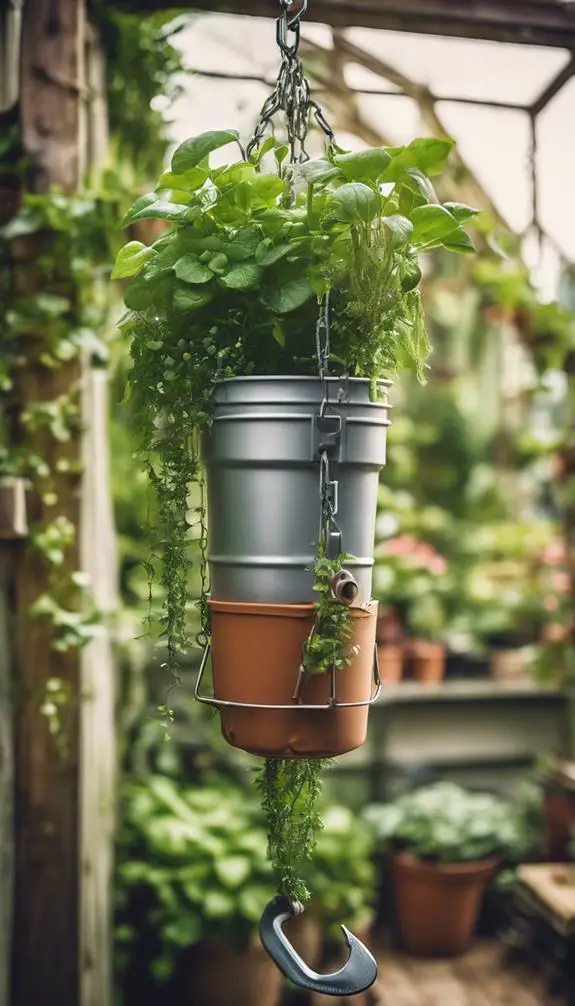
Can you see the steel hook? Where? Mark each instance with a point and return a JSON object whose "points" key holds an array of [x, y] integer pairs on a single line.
{"points": [[358, 973]]}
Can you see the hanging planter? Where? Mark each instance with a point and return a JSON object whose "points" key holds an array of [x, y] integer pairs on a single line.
{"points": [[257, 655], [262, 458], [264, 325]]}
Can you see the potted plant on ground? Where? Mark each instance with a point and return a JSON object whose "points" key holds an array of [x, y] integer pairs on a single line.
{"points": [[192, 878], [413, 575], [427, 650], [390, 645], [263, 327], [445, 844], [555, 665]]}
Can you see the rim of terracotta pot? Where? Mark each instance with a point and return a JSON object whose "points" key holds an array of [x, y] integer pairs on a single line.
{"points": [[463, 870], [281, 610], [426, 648]]}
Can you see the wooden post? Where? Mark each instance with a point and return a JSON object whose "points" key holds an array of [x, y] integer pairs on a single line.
{"points": [[46, 918], [6, 777]]}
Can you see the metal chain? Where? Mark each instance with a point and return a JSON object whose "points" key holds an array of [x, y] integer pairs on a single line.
{"points": [[291, 94]]}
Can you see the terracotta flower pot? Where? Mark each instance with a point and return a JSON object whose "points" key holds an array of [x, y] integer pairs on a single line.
{"points": [[559, 807], [428, 661], [508, 665], [256, 654], [215, 975], [390, 659], [438, 903]]}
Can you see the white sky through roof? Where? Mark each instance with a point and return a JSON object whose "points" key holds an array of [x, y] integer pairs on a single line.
{"points": [[494, 142]]}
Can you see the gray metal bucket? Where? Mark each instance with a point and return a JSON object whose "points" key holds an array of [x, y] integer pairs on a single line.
{"points": [[262, 469]]}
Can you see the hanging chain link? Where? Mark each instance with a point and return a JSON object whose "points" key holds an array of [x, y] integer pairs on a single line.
{"points": [[291, 94]]}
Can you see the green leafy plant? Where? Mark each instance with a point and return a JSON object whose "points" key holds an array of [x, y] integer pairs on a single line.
{"points": [[192, 861], [447, 823], [344, 873], [233, 288]]}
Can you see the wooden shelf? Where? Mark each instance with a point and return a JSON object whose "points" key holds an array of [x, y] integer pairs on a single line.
{"points": [[464, 690]]}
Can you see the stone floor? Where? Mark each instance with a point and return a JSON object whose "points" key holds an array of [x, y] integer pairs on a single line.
{"points": [[486, 976]]}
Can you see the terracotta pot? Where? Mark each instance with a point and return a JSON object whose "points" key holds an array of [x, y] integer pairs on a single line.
{"points": [[428, 661], [559, 806], [438, 903], [215, 975], [256, 654], [390, 659]]}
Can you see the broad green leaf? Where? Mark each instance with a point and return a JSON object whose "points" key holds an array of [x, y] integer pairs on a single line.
{"points": [[291, 296], [431, 224], [192, 151], [260, 152], [183, 932], [218, 905], [363, 165], [243, 244], [460, 211], [243, 276], [140, 294], [139, 205], [419, 183], [459, 242], [265, 188], [280, 154], [191, 180], [267, 253], [427, 154], [279, 335], [234, 174], [191, 270], [399, 228], [355, 203], [130, 258], [162, 209], [233, 871], [319, 171], [189, 299], [250, 901]]}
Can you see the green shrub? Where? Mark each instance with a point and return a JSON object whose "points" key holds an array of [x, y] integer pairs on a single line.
{"points": [[447, 823]]}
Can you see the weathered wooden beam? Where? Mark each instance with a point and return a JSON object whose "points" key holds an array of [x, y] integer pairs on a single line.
{"points": [[47, 865], [528, 22]]}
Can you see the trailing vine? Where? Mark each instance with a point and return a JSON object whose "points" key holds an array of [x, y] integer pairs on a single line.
{"points": [[326, 646], [290, 789]]}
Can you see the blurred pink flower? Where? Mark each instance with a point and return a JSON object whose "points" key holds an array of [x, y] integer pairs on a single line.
{"points": [[561, 582], [406, 546], [554, 554]]}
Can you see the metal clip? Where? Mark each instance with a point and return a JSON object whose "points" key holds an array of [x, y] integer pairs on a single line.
{"points": [[283, 25], [358, 973], [327, 437]]}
